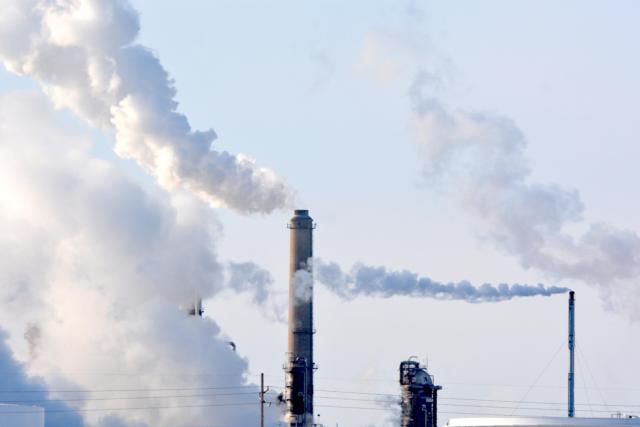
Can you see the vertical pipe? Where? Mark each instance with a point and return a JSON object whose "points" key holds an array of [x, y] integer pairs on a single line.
{"points": [[196, 308], [261, 400], [300, 364], [435, 407], [572, 346]]}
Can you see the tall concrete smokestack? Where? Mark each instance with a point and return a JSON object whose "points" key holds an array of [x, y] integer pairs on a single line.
{"points": [[299, 369]]}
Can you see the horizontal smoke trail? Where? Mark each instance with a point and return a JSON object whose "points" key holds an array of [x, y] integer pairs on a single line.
{"points": [[363, 280], [380, 282]]}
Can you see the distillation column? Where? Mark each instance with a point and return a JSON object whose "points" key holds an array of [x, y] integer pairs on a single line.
{"points": [[299, 368], [419, 402]]}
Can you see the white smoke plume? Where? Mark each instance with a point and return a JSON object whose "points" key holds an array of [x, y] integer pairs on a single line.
{"points": [[481, 158], [303, 285], [101, 265], [14, 379], [83, 54], [363, 280], [251, 279]]}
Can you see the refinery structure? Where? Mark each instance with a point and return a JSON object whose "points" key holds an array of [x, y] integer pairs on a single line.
{"points": [[418, 401], [419, 392], [419, 396]]}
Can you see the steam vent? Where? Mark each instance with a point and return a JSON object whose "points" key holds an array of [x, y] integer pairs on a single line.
{"points": [[299, 368], [419, 396]]}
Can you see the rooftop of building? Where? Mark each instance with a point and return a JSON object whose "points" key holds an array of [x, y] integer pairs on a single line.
{"points": [[542, 421]]}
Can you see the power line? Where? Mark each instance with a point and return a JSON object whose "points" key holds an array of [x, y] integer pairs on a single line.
{"points": [[450, 383], [609, 407], [395, 398], [56, 411], [472, 399], [440, 412], [389, 380], [123, 390], [456, 383], [127, 398], [460, 405], [133, 374], [476, 399], [457, 405]]}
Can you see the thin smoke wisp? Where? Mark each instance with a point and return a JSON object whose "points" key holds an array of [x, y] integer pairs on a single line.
{"points": [[479, 159], [482, 157]]}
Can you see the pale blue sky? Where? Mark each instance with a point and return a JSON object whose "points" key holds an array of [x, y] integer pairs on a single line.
{"points": [[278, 81]]}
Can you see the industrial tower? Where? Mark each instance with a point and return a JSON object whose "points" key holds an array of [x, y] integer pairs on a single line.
{"points": [[299, 367], [419, 396]]}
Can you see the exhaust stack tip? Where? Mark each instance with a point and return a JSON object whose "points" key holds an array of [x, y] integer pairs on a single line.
{"points": [[301, 220]]}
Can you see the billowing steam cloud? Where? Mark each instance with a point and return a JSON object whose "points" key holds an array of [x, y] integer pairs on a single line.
{"points": [[100, 266], [481, 157], [15, 380], [380, 282], [83, 54]]}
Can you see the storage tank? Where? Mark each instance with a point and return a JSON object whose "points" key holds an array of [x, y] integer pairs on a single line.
{"points": [[21, 416]]}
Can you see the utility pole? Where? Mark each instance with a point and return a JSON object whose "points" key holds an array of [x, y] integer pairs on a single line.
{"points": [[261, 395]]}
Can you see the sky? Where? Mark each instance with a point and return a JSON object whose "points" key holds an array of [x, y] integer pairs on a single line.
{"points": [[355, 109]]}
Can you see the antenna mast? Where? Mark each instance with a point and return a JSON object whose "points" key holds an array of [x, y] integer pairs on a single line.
{"points": [[572, 347]]}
